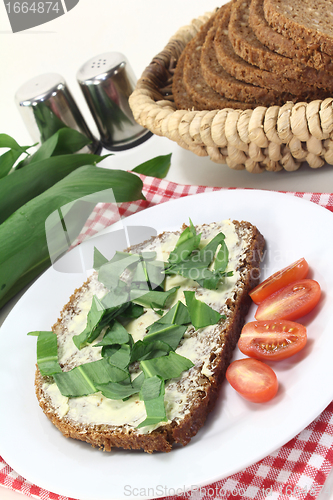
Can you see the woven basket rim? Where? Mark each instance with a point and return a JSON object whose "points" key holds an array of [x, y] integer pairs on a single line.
{"points": [[264, 138]]}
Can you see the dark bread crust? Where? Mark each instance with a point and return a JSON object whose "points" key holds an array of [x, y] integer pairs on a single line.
{"points": [[165, 436]]}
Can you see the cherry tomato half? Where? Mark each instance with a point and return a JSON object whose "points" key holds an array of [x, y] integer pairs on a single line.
{"points": [[291, 302], [296, 271], [253, 379], [272, 339]]}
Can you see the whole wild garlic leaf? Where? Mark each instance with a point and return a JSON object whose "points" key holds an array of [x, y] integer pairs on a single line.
{"points": [[33, 181], [25, 184], [23, 248]]}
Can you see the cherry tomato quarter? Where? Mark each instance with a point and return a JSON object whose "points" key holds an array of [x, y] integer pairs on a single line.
{"points": [[294, 272], [291, 302], [272, 340], [253, 379]]}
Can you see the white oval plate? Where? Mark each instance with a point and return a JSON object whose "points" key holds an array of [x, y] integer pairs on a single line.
{"points": [[237, 433]]}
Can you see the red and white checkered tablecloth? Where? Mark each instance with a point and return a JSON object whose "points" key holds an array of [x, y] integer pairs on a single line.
{"points": [[296, 471]]}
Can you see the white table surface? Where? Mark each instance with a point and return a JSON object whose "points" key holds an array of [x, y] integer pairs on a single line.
{"points": [[139, 29]]}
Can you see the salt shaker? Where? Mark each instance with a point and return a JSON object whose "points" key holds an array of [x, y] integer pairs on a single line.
{"points": [[46, 105], [107, 81]]}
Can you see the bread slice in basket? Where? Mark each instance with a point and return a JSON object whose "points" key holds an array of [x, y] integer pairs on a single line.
{"points": [[307, 22], [285, 45], [304, 80], [202, 94], [188, 399]]}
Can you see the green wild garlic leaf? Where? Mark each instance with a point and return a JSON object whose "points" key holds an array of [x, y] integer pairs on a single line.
{"points": [[166, 367], [152, 393], [110, 273], [93, 329], [201, 314], [177, 315], [156, 167], [117, 334], [153, 299], [196, 266], [142, 350], [170, 334], [121, 390], [84, 379], [47, 353], [187, 242], [99, 259], [119, 357]]}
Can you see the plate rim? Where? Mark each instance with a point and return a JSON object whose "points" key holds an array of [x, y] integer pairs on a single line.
{"points": [[154, 209]]}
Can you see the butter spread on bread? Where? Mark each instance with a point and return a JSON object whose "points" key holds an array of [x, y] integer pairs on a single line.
{"points": [[107, 423]]}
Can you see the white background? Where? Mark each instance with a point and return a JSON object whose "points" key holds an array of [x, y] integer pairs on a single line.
{"points": [[139, 29]]}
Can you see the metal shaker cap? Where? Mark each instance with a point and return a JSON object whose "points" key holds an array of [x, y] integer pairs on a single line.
{"points": [[46, 105], [107, 81]]}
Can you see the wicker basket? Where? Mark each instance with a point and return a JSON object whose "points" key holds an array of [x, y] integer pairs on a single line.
{"points": [[273, 138]]}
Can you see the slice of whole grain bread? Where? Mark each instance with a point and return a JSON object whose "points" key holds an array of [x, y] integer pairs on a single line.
{"points": [[106, 424]]}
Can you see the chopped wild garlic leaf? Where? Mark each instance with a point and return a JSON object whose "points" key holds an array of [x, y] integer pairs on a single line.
{"points": [[121, 390], [99, 259], [170, 334], [117, 334], [202, 314], [188, 242], [135, 282], [83, 380], [152, 393], [166, 367], [153, 299], [142, 350], [119, 357], [178, 315], [47, 353]]}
